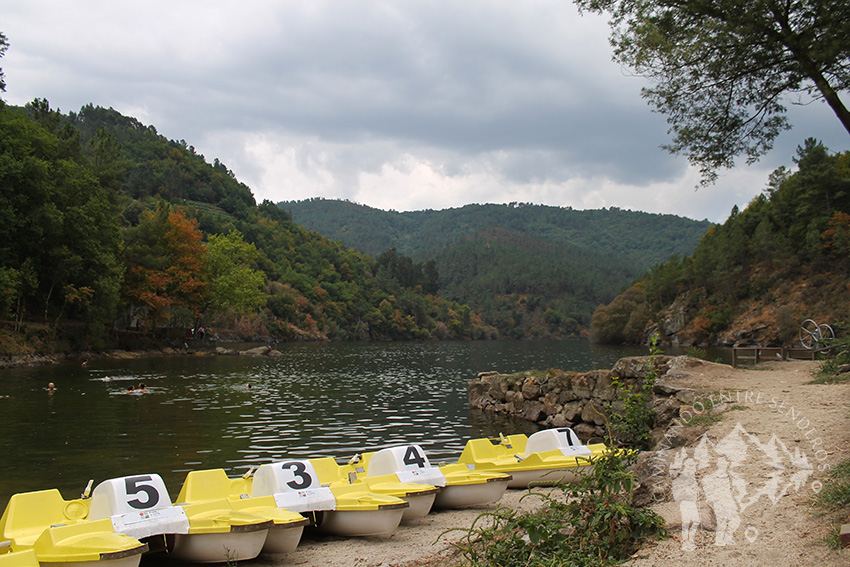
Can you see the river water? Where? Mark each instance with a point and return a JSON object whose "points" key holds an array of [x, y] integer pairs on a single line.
{"points": [[317, 399]]}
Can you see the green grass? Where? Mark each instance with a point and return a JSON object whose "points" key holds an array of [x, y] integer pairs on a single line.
{"points": [[834, 500], [703, 419]]}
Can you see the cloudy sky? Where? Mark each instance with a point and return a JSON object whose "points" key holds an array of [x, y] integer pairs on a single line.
{"points": [[404, 104]]}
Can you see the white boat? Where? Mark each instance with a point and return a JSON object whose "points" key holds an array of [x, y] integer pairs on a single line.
{"points": [[351, 510], [460, 486], [57, 532], [214, 484], [209, 532], [546, 457], [420, 497]]}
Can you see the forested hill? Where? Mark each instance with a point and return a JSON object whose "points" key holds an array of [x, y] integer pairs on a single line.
{"points": [[112, 234], [783, 259], [530, 270]]}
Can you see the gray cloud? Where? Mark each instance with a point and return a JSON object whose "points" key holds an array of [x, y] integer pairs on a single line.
{"points": [[378, 101]]}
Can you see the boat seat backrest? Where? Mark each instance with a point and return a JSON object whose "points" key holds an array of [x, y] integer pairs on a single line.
{"points": [[284, 476], [128, 495], [561, 438], [327, 470], [408, 463], [30, 513], [212, 484], [295, 485], [397, 459], [478, 450]]}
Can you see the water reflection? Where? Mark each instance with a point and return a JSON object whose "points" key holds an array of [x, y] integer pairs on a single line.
{"points": [[328, 399]]}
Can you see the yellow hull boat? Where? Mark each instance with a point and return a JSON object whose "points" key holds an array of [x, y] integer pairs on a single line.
{"points": [[460, 487], [547, 457], [16, 558], [59, 534], [214, 484], [420, 497], [208, 532], [294, 486]]}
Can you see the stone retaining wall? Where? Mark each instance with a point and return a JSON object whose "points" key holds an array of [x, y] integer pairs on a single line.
{"points": [[581, 400]]}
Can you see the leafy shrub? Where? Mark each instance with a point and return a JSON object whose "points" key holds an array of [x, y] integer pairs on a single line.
{"points": [[587, 523], [633, 424]]}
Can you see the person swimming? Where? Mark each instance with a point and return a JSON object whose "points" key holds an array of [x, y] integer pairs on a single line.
{"points": [[142, 387]]}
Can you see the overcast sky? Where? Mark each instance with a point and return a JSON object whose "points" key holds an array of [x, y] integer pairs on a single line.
{"points": [[403, 105]]}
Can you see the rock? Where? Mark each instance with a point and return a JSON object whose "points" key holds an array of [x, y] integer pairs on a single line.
{"points": [[686, 395], [664, 389], [677, 436], [533, 411], [605, 389], [583, 385], [551, 405], [226, 351], [653, 482], [844, 536], [476, 391], [559, 420], [585, 430], [638, 366], [260, 350], [530, 389], [672, 514], [572, 410], [498, 387], [666, 409], [595, 413]]}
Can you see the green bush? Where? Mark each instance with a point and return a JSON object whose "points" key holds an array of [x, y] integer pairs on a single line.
{"points": [[587, 523]]}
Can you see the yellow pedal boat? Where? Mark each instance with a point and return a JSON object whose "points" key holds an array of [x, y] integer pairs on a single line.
{"points": [[294, 485], [420, 497], [207, 532], [214, 484], [57, 532], [460, 486], [10, 558], [546, 457]]}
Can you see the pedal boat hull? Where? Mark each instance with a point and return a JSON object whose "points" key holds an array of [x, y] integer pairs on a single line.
{"points": [[562, 463], [57, 532]]}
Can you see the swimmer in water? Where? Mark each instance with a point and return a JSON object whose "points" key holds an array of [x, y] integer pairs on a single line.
{"points": [[51, 387], [142, 387]]}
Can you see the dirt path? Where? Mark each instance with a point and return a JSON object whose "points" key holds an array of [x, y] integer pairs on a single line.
{"points": [[769, 518], [768, 450]]}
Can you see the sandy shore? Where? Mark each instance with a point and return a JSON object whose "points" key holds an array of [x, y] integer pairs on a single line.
{"points": [[773, 407]]}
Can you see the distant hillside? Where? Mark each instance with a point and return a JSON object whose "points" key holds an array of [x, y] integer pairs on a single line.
{"points": [[529, 270], [112, 235], [783, 259]]}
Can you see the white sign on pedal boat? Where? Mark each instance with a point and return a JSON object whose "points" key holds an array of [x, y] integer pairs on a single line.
{"points": [[460, 486], [350, 510], [57, 531], [546, 457], [214, 484], [209, 532]]}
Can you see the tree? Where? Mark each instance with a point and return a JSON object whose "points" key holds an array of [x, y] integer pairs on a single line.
{"points": [[723, 69], [233, 283], [4, 45], [164, 260]]}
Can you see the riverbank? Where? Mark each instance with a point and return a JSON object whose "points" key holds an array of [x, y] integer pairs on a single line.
{"points": [[785, 432], [196, 348]]}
